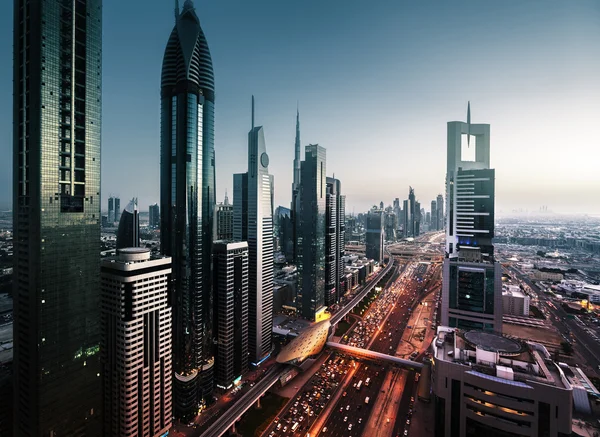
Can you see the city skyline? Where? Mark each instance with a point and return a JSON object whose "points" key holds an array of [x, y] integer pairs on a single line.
{"points": [[511, 78]]}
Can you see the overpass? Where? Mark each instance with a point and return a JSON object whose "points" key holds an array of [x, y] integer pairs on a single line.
{"points": [[372, 355]]}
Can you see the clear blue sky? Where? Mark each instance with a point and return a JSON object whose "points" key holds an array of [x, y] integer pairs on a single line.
{"points": [[376, 81]]}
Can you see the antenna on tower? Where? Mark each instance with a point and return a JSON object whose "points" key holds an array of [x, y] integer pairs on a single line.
{"points": [[176, 10], [252, 111]]}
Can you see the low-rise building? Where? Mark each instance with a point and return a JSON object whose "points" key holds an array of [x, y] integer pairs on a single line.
{"points": [[488, 384], [514, 301]]}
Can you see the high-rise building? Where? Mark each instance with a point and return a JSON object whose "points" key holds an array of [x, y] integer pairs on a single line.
{"points": [[310, 233], [283, 229], [374, 237], [136, 351], [334, 240], [419, 213], [230, 268], [57, 119], [187, 204], [111, 210], [117, 209], [295, 205], [253, 222], [434, 216], [128, 232], [411, 213], [472, 279], [440, 211], [154, 216], [390, 226], [224, 220]]}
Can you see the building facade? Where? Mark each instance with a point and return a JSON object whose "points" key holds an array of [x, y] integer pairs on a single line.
{"points": [[374, 237], [253, 222], [117, 214], [224, 221], [230, 266], [472, 279], [154, 216], [440, 211], [111, 209], [57, 118], [434, 217], [310, 256], [128, 232], [187, 204], [488, 385], [334, 240], [136, 347]]}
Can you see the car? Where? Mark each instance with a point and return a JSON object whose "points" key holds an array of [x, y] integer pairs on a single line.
{"points": [[346, 419], [408, 421], [324, 429], [345, 393], [341, 409], [412, 399], [360, 420], [347, 407], [406, 432], [350, 427]]}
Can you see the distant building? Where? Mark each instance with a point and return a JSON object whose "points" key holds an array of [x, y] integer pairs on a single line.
{"points": [[390, 225], [128, 232], [485, 384], [111, 210], [412, 213], [434, 223], [154, 216], [310, 234], [515, 302], [117, 209], [136, 350], [285, 232], [440, 211], [224, 220], [374, 243], [230, 267]]}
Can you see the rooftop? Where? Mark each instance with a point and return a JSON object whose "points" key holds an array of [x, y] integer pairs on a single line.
{"points": [[498, 356]]}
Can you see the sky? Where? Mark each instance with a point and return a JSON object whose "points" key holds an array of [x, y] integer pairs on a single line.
{"points": [[375, 81]]}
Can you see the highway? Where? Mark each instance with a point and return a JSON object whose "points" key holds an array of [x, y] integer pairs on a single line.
{"points": [[235, 412]]}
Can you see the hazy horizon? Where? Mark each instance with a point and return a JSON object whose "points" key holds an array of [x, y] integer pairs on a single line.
{"points": [[376, 84]]}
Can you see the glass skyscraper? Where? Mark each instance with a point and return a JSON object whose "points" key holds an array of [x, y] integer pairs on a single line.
{"points": [[187, 204], [57, 90]]}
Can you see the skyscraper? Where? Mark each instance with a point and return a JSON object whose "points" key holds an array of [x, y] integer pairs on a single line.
{"points": [[295, 205], [334, 240], [434, 216], [224, 220], [374, 237], [440, 211], [283, 229], [56, 202], [472, 279], [128, 232], [411, 213], [154, 216], [253, 222], [310, 257], [230, 267], [136, 349], [111, 210], [187, 204], [117, 209]]}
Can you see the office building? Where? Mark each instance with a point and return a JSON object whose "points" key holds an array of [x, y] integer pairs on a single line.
{"points": [[334, 240], [57, 119], [295, 204], [111, 210], [117, 209], [514, 301], [154, 216], [136, 348], [412, 213], [284, 231], [128, 232], [253, 222], [472, 280], [390, 225], [187, 204], [224, 220], [434, 226], [230, 267], [485, 384], [310, 233], [440, 211], [374, 237]]}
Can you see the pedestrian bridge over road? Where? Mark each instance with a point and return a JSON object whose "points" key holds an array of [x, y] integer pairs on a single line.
{"points": [[372, 355]]}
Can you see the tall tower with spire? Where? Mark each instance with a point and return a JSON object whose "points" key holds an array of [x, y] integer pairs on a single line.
{"points": [[297, 153], [187, 198], [253, 222]]}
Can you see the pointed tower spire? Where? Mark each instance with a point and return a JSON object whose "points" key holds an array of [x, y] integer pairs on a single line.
{"points": [[468, 123], [226, 201], [176, 10], [252, 111], [296, 179]]}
